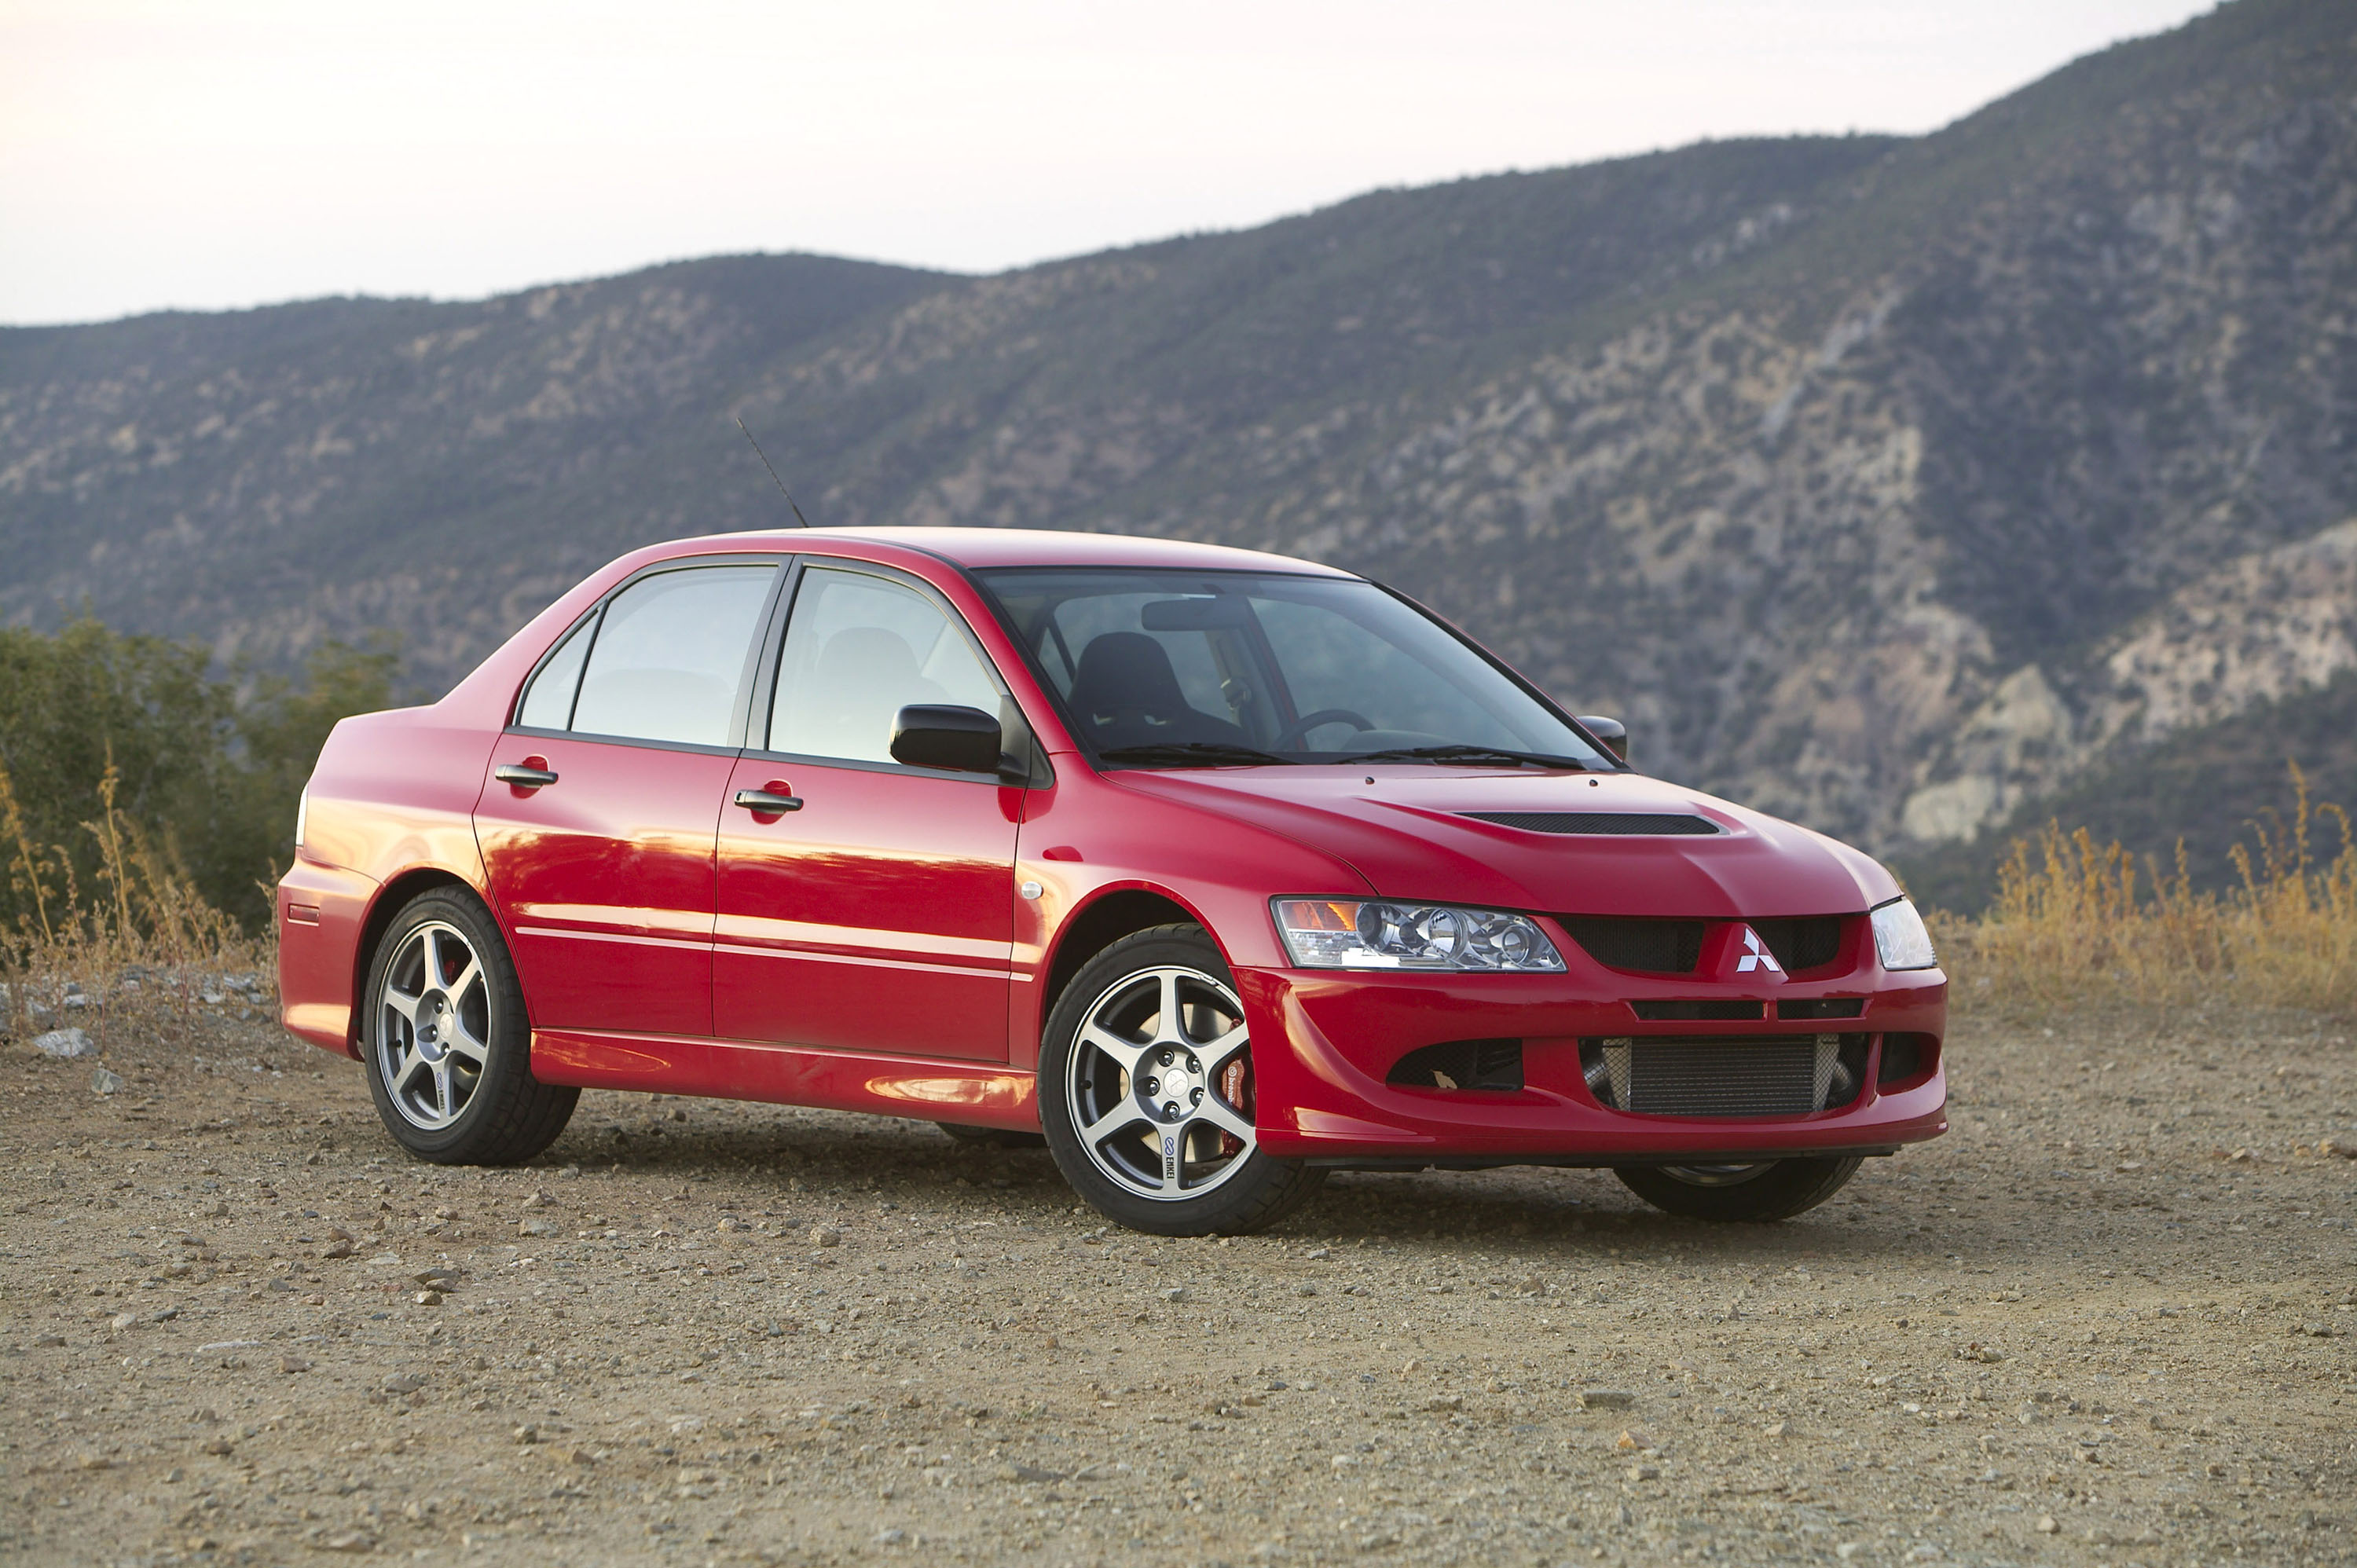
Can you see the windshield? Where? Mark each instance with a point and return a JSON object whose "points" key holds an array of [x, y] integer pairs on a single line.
{"points": [[1167, 668]]}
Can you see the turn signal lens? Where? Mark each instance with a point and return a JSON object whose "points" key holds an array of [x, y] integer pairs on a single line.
{"points": [[1900, 938], [1330, 933]]}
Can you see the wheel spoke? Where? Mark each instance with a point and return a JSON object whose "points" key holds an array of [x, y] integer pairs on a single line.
{"points": [[1171, 1025], [1124, 1052], [397, 1081], [1225, 1117], [429, 953], [442, 1088], [467, 979], [1123, 1115], [404, 1005], [463, 1040], [1217, 1054]]}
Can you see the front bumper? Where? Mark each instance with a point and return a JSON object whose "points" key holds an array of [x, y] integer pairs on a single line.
{"points": [[1322, 1093]]}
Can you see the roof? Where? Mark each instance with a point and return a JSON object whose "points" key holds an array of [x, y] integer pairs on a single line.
{"points": [[981, 548]]}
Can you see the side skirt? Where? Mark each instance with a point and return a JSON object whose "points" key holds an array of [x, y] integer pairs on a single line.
{"points": [[979, 1094]]}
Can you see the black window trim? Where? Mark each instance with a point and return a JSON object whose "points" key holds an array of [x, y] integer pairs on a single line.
{"points": [[596, 613]]}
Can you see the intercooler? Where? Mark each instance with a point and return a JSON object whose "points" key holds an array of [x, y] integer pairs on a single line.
{"points": [[1784, 1074]]}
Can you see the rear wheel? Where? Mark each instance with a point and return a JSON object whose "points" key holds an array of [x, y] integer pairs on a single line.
{"points": [[444, 1041], [1764, 1189], [1145, 1091]]}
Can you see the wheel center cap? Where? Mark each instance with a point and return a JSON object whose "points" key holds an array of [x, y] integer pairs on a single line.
{"points": [[432, 1025], [1170, 1083]]}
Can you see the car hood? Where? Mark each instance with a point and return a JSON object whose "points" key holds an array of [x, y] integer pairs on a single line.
{"points": [[1405, 829]]}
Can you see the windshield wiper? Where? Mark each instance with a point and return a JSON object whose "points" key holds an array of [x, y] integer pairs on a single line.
{"points": [[1476, 756], [1189, 753]]}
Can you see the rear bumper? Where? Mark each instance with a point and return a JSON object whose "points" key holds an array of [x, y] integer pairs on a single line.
{"points": [[320, 912], [1323, 1096]]}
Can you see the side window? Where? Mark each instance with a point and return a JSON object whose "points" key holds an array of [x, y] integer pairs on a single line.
{"points": [[549, 703], [858, 649], [670, 654]]}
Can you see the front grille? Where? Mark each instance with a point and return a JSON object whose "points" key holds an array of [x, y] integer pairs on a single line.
{"points": [[1784, 1074], [1804, 942], [1606, 824], [1649, 947]]}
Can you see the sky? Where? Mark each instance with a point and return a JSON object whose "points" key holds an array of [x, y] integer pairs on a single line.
{"points": [[210, 153]]}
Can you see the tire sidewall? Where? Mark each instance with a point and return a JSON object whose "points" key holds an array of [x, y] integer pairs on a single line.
{"points": [[511, 1037], [1263, 1191], [1789, 1186]]}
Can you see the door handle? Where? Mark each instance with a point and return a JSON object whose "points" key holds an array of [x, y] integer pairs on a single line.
{"points": [[523, 776], [762, 800]]}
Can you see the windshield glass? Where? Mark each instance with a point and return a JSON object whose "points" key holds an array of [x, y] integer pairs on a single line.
{"points": [[1165, 669]]}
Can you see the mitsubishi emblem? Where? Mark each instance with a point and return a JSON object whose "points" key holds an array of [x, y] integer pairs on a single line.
{"points": [[1755, 955]]}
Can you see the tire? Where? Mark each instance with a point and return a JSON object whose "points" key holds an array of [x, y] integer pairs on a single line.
{"points": [[1772, 1189], [445, 1044], [1161, 999], [993, 1137]]}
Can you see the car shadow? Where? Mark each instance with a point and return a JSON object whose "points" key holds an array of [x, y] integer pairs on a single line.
{"points": [[1534, 1213]]}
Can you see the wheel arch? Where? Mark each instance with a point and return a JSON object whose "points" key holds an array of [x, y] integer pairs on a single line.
{"points": [[1104, 920], [388, 901]]}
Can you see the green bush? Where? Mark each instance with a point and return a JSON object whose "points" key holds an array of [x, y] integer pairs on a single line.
{"points": [[207, 769]]}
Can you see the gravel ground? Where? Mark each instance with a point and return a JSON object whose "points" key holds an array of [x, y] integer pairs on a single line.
{"points": [[2107, 1319]]}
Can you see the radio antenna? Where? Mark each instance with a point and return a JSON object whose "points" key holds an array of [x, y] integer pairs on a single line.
{"points": [[799, 518]]}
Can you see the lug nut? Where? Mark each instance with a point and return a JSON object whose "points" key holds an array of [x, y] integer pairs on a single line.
{"points": [[1166, 1058], [1152, 1085]]}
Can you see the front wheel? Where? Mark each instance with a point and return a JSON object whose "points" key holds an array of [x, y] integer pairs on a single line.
{"points": [[1763, 1190], [444, 1041], [1146, 1091]]}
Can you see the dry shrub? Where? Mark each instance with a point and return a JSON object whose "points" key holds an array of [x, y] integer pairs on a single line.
{"points": [[143, 945], [2074, 923]]}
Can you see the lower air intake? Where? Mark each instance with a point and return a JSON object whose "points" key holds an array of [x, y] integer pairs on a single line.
{"points": [[1783, 1076]]}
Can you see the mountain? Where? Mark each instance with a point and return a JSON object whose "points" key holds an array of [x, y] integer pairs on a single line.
{"points": [[1898, 485]]}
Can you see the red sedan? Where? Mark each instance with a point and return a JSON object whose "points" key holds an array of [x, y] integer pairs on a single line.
{"points": [[1220, 870]]}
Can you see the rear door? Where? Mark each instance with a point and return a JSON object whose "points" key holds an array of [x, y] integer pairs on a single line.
{"points": [[880, 915], [598, 821]]}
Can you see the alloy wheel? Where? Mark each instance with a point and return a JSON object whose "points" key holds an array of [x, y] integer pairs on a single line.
{"points": [[1158, 1082], [434, 1025]]}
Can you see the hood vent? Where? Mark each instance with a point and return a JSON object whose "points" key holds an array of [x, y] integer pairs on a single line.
{"points": [[1601, 823]]}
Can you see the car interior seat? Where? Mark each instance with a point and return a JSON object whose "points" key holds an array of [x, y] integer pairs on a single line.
{"points": [[1125, 693]]}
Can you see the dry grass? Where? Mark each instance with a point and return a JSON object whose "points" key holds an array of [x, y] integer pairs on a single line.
{"points": [[2075, 922], [143, 945]]}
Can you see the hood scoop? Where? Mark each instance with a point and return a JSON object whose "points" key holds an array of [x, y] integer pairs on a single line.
{"points": [[1603, 823]]}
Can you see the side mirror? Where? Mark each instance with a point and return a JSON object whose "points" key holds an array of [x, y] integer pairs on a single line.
{"points": [[1611, 732], [959, 740]]}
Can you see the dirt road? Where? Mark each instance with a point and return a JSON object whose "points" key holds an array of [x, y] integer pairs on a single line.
{"points": [[2082, 1328]]}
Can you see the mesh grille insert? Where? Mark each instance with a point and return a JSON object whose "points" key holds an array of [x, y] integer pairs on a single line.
{"points": [[1809, 941], [1596, 823], [1649, 947]]}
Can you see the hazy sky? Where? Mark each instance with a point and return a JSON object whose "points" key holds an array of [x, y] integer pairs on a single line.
{"points": [[210, 152]]}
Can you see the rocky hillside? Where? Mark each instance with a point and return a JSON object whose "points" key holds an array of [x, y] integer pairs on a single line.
{"points": [[1895, 485]]}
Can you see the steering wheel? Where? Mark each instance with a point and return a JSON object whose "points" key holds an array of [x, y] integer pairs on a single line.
{"points": [[1299, 729]]}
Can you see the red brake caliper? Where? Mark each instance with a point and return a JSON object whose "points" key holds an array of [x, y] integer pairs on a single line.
{"points": [[1235, 1084]]}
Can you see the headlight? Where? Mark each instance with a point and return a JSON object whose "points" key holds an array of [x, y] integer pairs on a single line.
{"points": [[1899, 937], [1333, 933]]}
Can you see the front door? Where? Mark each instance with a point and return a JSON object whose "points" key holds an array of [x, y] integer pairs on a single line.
{"points": [[880, 915], [598, 821]]}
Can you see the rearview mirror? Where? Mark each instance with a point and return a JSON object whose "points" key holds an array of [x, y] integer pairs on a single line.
{"points": [[1611, 732], [959, 740], [1221, 612]]}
